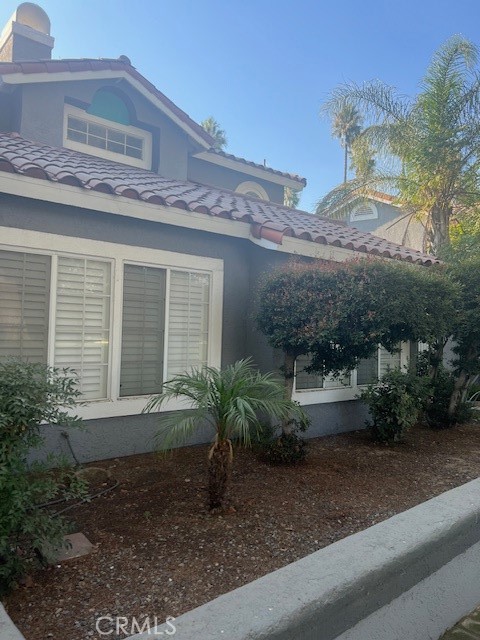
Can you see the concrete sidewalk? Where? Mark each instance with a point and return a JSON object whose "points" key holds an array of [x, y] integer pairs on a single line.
{"points": [[467, 629]]}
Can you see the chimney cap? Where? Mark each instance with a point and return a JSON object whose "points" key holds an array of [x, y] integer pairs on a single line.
{"points": [[33, 16]]}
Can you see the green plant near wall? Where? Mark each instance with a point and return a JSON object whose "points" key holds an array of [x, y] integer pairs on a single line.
{"points": [[30, 395], [395, 404], [230, 401]]}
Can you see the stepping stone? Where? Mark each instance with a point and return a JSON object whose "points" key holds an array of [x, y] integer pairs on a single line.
{"points": [[77, 545]]}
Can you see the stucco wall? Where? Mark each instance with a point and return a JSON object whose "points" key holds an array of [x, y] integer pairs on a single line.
{"points": [[244, 264], [394, 225], [215, 175], [74, 222], [42, 120]]}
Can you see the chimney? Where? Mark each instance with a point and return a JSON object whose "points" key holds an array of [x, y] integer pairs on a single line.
{"points": [[26, 35]]}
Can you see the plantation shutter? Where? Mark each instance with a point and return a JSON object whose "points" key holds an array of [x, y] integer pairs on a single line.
{"points": [[388, 361], [143, 330], [188, 321], [82, 333], [303, 379], [24, 304], [367, 370]]}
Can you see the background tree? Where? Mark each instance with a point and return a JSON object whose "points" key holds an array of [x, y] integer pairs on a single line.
{"points": [[462, 258], [291, 198], [428, 145], [362, 159], [346, 125], [212, 127], [465, 273]]}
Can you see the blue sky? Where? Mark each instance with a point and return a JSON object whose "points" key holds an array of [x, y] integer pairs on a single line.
{"points": [[263, 68]]}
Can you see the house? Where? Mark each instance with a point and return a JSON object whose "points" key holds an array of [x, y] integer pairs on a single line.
{"points": [[378, 213], [130, 249]]}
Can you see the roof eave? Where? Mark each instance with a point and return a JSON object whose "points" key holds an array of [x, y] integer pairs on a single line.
{"points": [[255, 171]]}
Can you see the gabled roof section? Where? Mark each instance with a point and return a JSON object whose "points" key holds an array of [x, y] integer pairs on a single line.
{"points": [[221, 157], [345, 201], [267, 220], [91, 68], [380, 196]]}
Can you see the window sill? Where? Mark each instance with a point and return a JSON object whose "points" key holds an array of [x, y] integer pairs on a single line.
{"points": [[324, 396], [132, 406]]}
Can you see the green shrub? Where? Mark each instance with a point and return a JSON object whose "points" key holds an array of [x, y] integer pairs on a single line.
{"points": [[31, 394], [284, 445], [436, 408], [394, 404], [439, 391]]}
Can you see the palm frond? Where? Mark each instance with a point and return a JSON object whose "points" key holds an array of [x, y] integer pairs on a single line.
{"points": [[176, 427], [230, 399], [375, 100]]}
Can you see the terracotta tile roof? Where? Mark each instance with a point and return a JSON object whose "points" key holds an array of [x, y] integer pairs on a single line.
{"points": [[381, 195], [102, 64], [284, 174], [267, 220]]}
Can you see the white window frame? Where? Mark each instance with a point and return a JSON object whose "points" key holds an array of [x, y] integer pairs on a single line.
{"points": [[119, 254], [75, 112], [247, 187], [323, 396]]}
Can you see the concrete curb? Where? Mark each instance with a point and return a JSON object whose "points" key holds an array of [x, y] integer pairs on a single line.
{"points": [[329, 592], [8, 631]]}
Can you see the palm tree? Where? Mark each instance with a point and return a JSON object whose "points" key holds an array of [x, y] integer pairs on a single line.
{"points": [[430, 144], [230, 400], [212, 127], [346, 125], [291, 198]]}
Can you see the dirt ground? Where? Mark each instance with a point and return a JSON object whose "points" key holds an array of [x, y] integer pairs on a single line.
{"points": [[158, 552]]}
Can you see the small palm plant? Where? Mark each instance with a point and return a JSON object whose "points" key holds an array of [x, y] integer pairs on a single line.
{"points": [[231, 401]]}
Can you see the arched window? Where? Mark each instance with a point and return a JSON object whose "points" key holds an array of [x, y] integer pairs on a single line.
{"points": [[105, 129], [253, 189], [110, 106]]}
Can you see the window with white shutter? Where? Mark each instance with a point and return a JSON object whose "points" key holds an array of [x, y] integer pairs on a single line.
{"points": [[24, 295], [305, 380], [370, 370], [123, 326], [387, 361], [367, 370], [82, 324], [143, 330], [188, 320]]}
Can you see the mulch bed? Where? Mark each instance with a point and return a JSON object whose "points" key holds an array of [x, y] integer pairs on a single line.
{"points": [[160, 553]]}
